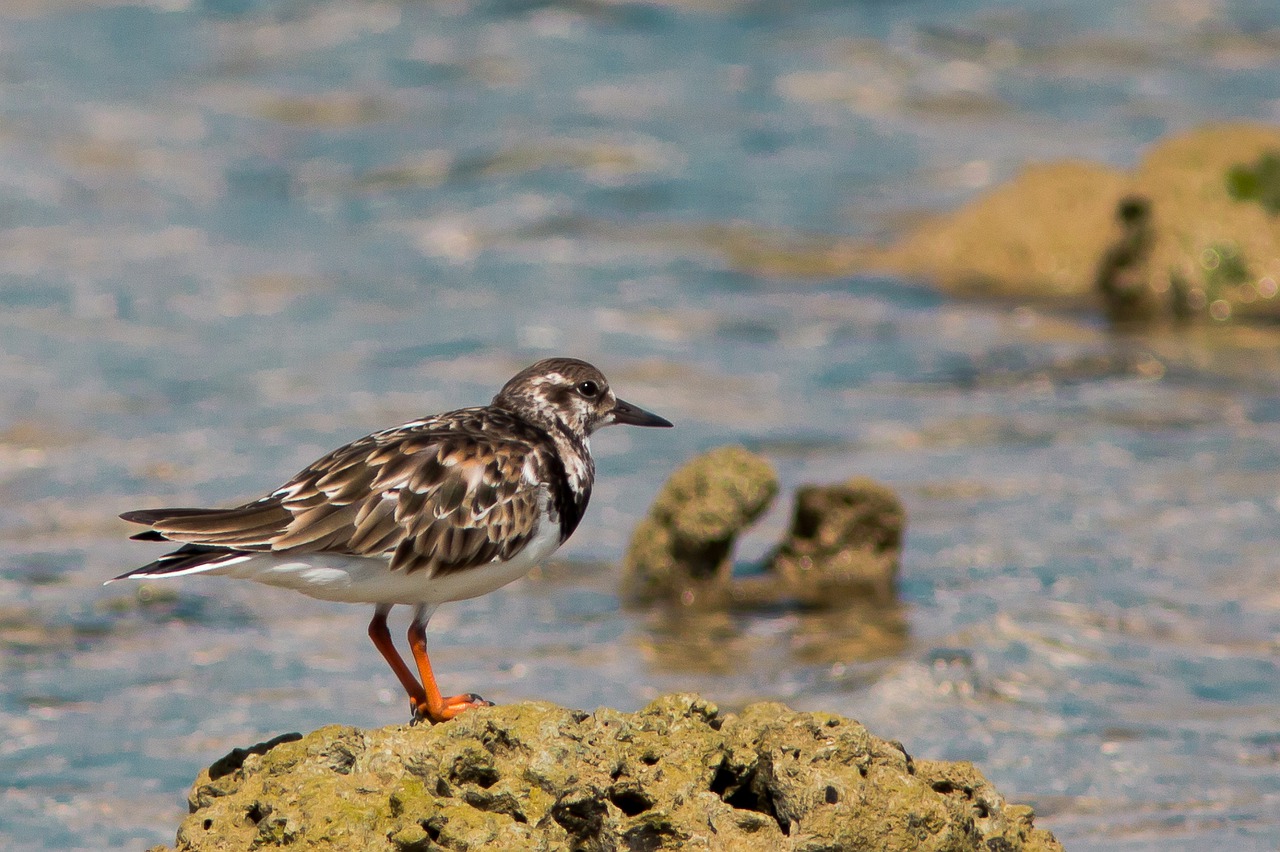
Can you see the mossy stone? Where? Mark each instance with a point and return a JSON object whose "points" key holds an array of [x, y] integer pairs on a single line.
{"points": [[678, 774], [683, 550]]}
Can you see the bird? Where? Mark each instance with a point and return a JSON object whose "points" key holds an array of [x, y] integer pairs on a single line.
{"points": [[439, 509]]}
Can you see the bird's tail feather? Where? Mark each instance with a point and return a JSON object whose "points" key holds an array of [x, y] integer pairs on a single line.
{"points": [[189, 559], [248, 527]]}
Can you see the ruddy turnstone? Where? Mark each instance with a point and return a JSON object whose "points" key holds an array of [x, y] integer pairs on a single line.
{"points": [[440, 509]]}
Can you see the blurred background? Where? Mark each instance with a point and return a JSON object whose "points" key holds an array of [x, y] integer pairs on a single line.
{"points": [[237, 233]]}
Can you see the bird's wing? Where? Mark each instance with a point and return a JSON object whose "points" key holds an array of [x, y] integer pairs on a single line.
{"points": [[436, 500]]}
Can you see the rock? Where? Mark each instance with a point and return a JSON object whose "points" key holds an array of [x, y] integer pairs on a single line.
{"points": [[842, 549], [1192, 233], [844, 544], [683, 550], [1199, 233], [676, 775], [1040, 235], [1217, 248]]}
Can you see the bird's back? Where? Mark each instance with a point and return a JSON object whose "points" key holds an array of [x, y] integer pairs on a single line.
{"points": [[434, 496]]}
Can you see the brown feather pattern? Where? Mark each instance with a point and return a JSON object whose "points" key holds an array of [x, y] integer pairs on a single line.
{"points": [[438, 495]]}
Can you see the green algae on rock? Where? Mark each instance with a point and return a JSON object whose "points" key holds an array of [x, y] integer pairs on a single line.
{"points": [[842, 549], [1259, 181], [683, 549], [844, 543], [678, 774]]}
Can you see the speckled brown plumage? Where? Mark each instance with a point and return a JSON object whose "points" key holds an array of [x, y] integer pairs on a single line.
{"points": [[437, 495]]}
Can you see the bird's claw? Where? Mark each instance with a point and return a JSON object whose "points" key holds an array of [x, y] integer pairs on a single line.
{"points": [[453, 706]]}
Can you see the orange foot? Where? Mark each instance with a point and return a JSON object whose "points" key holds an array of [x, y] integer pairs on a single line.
{"points": [[449, 707]]}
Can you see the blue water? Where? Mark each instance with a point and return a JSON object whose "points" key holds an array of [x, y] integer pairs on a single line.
{"points": [[234, 235]]}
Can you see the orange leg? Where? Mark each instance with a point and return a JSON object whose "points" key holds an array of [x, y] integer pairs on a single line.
{"points": [[382, 641], [435, 708]]}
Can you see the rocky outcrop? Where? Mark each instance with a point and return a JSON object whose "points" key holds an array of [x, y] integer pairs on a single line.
{"points": [[842, 548], [1193, 232], [679, 774], [1039, 236], [844, 544], [683, 550]]}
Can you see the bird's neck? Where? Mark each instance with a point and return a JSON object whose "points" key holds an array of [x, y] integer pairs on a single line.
{"points": [[571, 468], [579, 474], [575, 454]]}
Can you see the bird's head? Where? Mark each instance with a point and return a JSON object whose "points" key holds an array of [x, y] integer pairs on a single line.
{"points": [[571, 393]]}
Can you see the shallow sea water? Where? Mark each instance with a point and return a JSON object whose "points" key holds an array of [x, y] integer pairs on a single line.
{"points": [[235, 234]]}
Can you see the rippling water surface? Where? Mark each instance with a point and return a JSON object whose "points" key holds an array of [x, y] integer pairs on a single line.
{"points": [[234, 234]]}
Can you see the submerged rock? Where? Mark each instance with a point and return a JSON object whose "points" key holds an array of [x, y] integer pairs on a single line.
{"points": [[679, 774]]}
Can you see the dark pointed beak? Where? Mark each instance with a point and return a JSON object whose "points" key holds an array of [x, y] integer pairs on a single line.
{"points": [[631, 415]]}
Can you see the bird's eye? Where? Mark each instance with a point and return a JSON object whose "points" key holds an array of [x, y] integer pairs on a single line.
{"points": [[588, 389]]}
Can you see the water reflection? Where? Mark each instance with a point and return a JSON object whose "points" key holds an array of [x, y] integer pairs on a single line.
{"points": [[683, 641]]}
